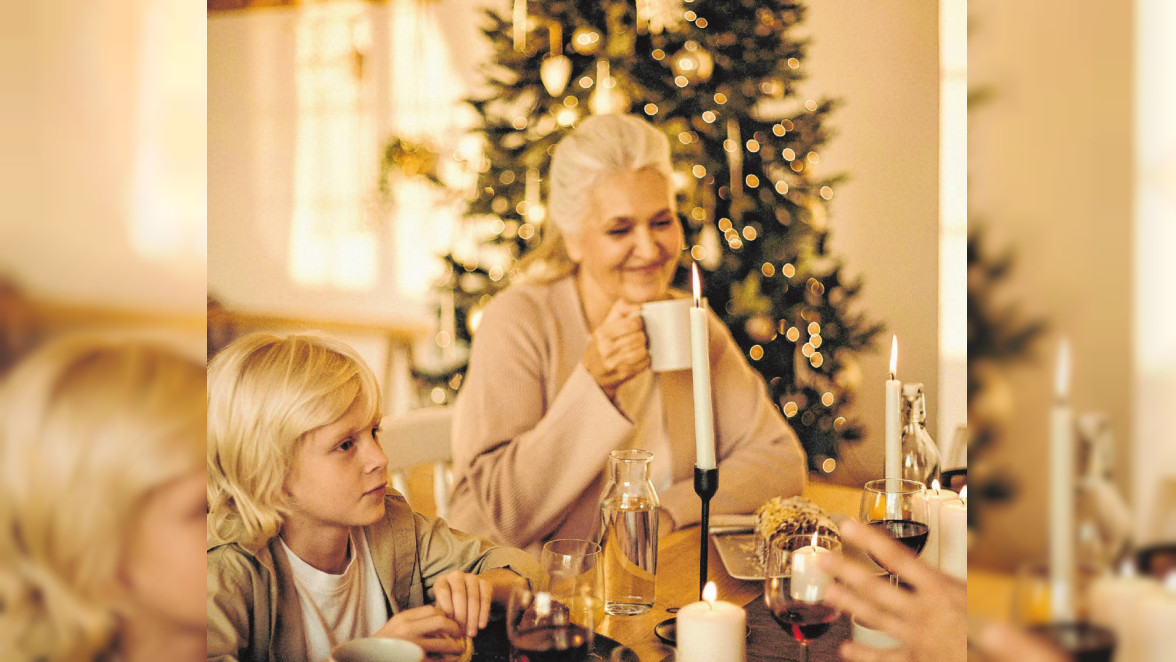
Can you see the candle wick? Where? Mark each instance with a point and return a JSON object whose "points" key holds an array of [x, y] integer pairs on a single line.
{"points": [[891, 377]]}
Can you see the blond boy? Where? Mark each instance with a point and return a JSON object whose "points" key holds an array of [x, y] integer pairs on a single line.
{"points": [[307, 546]]}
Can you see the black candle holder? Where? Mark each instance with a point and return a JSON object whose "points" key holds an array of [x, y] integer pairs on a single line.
{"points": [[706, 483]]}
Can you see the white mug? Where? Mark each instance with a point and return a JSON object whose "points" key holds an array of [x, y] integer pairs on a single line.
{"points": [[375, 649], [667, 326]]}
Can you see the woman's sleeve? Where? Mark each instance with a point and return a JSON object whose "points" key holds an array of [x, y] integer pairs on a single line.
{"points": [[759, 456], [526, 458]]}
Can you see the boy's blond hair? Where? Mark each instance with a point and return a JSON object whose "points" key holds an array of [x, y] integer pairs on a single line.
{"points": [[90, 426], [265, 393]]}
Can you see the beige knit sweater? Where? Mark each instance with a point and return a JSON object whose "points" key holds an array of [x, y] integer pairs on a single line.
{"points": [[532, 429]]}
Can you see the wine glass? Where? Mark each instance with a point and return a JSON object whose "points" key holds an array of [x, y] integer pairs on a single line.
{"points": [[794, 588], [573, 568], [543, 629], [896, 506]]}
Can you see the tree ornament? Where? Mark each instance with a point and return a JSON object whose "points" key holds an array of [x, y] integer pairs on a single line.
{"points": [[555, 72], [586, 40], [760, 328], [608, 97], [693, 63], [849, 377], [657, 16]]}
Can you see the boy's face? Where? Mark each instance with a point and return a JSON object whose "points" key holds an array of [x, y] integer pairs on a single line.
{"points": [[339, 474]]}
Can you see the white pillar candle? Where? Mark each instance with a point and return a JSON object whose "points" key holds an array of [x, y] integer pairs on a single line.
{"points": [[1061, 495], [704, 422], [808, 582], [953, 536], [934, 498], [1157, 618], [1114, 602], [893, 418], [711, 630]]}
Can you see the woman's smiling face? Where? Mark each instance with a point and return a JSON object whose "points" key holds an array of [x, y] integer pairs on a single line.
{"points": [[629, 243]]}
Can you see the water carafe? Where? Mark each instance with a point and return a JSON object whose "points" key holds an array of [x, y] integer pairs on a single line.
{"points": [[629, 514]]}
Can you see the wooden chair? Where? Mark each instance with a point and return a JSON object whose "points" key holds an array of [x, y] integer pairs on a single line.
{"points": [[418, 437]]}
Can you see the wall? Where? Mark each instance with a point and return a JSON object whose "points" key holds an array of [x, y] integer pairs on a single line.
{"points": [[882, 60], [1050, 160]]}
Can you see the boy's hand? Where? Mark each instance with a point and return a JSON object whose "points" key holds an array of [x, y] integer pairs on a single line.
{"points": [[465, 598], [428, 627]]}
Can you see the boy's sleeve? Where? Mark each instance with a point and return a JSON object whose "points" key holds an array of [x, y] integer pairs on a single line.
{"points": [[442, 550], [230, 604]]}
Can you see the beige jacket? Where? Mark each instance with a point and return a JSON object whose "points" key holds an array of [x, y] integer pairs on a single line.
{"points": [[253, 609], [533, 430]]}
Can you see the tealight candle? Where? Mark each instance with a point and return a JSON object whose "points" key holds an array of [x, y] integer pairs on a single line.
{"points": [[711, 630], [934, 498], [808, 581], [953, 536]]}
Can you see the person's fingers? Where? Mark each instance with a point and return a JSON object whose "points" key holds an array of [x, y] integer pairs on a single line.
{"points": [[863, 583], [444, 596], [851, 651], [457, 586], [441, 645], [886, 551], [418, 613], [881, 616], [487, 592], [473, 591], [438, 625]]}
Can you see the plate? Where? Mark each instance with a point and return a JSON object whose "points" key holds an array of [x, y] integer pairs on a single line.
{"points": [[737, 551]]}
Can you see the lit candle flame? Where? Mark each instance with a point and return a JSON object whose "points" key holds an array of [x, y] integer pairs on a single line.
{"points": [[697, 285], [710, 593], [814, 539], [893, 356], [935, 486], [964, 495], [1062, 383]]}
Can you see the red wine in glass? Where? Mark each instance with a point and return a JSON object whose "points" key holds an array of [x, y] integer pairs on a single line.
{"points": [[912, 534], [805, 620], [551, 643]]}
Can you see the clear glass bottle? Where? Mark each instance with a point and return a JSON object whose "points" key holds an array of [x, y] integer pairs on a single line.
{"points": [[920, 455], [629, 513]]}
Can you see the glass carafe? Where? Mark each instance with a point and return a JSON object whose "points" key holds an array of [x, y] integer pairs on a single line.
{"points": [[629, 513], [920, 455]]}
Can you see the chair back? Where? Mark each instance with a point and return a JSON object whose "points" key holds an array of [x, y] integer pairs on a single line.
{"points": [[416, 437]]}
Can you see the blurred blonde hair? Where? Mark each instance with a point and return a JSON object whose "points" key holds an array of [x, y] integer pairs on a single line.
{"points": [[89, 427], [598, 147], [265, 393]]}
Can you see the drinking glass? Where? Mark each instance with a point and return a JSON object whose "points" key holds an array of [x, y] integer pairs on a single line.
{"points": [[891, 504], [544, 629], [573, 569], [794, 588]]}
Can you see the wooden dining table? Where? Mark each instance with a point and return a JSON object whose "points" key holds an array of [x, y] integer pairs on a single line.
{"points": [[677, 577]]}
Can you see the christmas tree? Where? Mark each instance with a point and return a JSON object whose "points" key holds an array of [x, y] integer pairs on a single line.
{"points": [[720, 78]]}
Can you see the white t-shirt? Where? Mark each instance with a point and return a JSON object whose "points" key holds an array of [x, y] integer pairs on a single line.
{"points": [[350, 605]]}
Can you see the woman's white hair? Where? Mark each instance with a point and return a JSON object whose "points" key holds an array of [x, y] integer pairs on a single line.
{"points": [[599, 146], [89, 427]]}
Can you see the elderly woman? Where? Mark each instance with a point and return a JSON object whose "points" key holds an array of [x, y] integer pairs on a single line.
{"points": [[559, 372]]}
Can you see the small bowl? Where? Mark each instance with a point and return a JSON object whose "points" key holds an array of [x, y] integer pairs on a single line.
{"points": [[375, 649]]}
